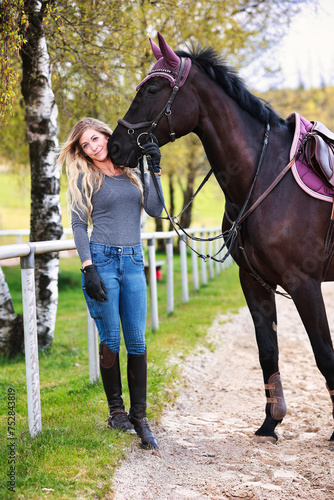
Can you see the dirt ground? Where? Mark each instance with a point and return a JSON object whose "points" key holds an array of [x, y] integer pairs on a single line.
{"points": [[205, 439]]}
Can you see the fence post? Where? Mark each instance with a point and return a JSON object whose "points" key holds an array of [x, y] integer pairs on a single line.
{"points": [[218, 264], [31, 343], [211, 273], [194, 262], [93, 350], [153, 285], [170, 275], [184, 269], [229, 261], [203, 262]]}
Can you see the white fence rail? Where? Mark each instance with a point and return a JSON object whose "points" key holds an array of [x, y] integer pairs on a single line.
{"points": [[27, 251]]}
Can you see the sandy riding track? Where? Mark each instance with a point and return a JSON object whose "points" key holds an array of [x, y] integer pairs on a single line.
{"points": [[206, 448]]}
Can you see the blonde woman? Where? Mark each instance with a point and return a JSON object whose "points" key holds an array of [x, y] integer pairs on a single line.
{"points": [[110, 198]]}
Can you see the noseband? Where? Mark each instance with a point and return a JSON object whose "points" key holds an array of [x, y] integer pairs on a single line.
{"points": [[167, 110]]}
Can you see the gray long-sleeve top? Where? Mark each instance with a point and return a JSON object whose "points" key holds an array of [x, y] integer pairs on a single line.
{"points": [[116, 214]]}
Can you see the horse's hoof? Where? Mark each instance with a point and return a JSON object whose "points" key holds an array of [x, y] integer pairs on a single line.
{"points": [[265, 439]]}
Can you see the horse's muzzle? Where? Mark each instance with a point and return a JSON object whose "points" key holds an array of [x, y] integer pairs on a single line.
{"points": [[121, 151]]}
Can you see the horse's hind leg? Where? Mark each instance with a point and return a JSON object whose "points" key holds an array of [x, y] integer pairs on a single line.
{"points": [[310, 305], [261, 303]]}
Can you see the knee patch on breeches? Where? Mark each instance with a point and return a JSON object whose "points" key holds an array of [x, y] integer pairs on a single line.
{"points": [[134, 339], [107, 357]]}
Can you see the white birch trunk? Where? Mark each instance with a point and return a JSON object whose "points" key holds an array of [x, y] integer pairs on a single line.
{"points": [[41, 117]]}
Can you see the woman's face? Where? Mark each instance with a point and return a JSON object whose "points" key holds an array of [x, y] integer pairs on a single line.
{"points": [[94, 145]]}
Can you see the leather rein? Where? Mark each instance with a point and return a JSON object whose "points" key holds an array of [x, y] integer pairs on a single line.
{"points": [[231, 235]]}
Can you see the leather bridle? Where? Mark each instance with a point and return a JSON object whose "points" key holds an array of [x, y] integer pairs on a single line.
{"points": [[166, 110]]}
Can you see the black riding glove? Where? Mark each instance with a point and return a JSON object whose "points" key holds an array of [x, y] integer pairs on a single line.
{"points": [[151, 149], [94, 285]]}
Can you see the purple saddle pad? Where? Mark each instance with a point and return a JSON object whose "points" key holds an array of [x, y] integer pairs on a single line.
{"points": [[304, 175]]}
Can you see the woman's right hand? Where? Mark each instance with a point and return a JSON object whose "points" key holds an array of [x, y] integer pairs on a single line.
{"points": [[94, 286], [151, 150]]}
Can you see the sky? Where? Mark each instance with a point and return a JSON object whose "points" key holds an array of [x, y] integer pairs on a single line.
{"points": [[305, 54]]}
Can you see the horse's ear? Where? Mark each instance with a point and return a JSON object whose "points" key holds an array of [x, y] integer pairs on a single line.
{"points": [[168, 54], [155, 49]]}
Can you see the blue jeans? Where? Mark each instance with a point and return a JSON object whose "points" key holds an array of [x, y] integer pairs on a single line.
{"points": [[122, 271]]}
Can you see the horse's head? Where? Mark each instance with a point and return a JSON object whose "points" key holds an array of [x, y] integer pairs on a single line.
{"points": [[161, 108]]}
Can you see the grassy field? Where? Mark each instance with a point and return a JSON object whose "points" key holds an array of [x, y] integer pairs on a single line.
{"points": [[15, 204], [76, 454]]}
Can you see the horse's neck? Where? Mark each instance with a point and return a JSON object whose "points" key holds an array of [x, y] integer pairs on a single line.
{"points": [[232, 141], [233, 156]]}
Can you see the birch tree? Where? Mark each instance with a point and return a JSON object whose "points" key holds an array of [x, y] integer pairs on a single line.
{"points": [[41, 119], [45, 220]]}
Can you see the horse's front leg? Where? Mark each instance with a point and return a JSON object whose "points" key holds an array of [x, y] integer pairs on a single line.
{"points": [[261, 304]]}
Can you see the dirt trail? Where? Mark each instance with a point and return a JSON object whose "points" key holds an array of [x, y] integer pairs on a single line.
{"points": [[206, 448]]}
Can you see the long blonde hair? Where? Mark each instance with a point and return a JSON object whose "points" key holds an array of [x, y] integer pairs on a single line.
{"points": [[79, 164]]}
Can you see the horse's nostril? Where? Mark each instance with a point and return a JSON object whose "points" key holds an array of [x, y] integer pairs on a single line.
{"points": [[113, 149]]}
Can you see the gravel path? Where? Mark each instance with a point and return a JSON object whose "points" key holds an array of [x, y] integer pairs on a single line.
{"points": [[205, 438]]}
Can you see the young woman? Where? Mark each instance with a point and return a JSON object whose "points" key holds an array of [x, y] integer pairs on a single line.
{"points": [[110, 199]]}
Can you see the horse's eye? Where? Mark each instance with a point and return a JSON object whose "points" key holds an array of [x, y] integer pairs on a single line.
{"points": [[152, 90]]}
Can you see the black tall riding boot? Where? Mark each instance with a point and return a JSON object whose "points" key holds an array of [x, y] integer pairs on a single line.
{"points": [[137, 380], [111, 378]]}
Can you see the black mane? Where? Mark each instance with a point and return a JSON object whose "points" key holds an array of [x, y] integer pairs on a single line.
{"points": [[209, 61]]}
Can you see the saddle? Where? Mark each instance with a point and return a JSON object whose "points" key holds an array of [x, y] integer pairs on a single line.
{"points": [[312, 157], [318, 149]]}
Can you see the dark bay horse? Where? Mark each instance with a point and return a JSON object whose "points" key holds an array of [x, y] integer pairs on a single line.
{"points": [[281, 241]]}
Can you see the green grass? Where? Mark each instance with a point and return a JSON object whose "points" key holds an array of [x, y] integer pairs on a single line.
{"points": [[76, 454], [15, 203]]}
